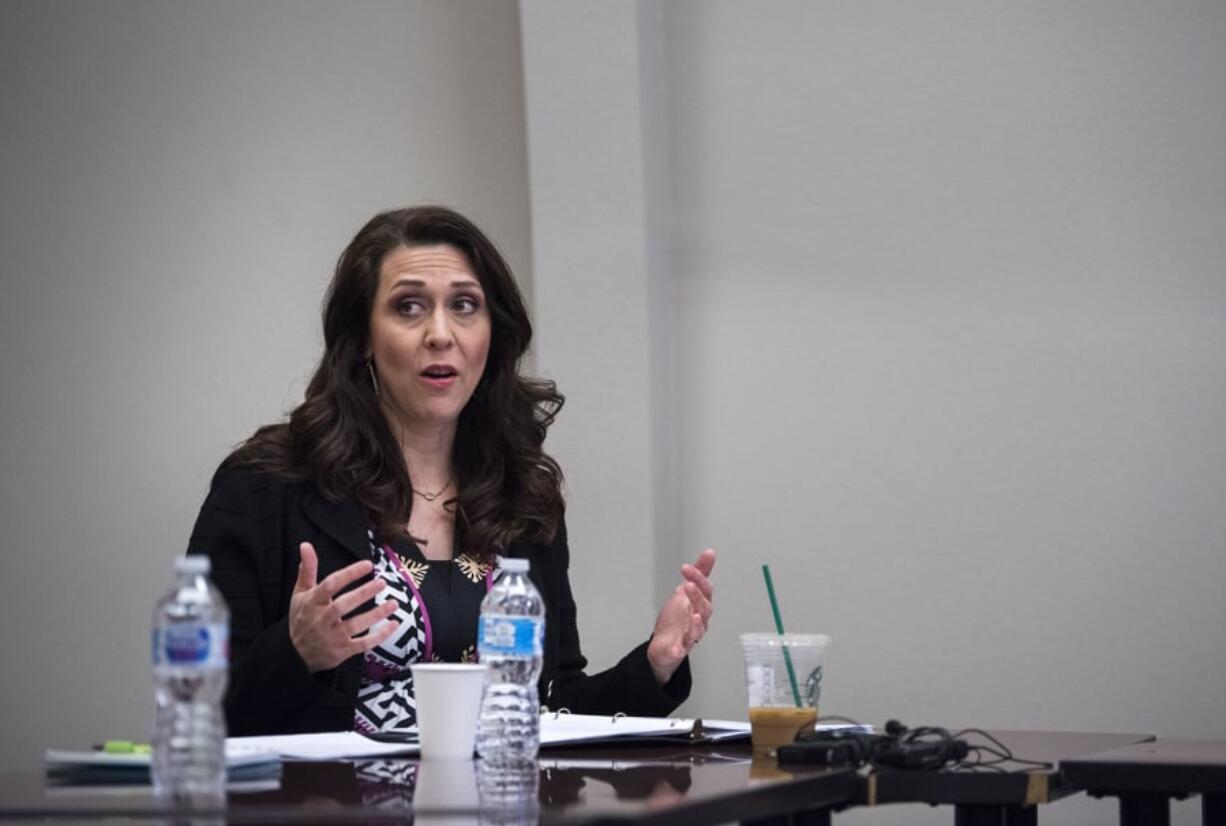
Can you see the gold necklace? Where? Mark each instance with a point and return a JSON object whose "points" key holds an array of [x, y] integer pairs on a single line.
{"points": [[430, 497]]}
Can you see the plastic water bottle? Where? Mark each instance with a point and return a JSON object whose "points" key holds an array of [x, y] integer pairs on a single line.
{"points": [[510, 641], [191, 650]]}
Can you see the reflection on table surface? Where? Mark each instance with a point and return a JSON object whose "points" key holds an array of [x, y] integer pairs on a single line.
{"points": [[569, 784], [605, 780]]}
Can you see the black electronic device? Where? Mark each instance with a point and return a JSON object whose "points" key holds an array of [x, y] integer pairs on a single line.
{"points": [[920, 754], [924, 748], [837, 747]]}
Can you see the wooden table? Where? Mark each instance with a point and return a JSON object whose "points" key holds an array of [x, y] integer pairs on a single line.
{"points": [[1145, 776], [996, 798], [647, 784], [644, 785]]}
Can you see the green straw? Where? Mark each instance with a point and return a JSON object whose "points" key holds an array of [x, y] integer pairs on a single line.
{"points": [[787, 656]]}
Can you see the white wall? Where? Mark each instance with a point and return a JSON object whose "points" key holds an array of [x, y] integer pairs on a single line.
{"points": [[595, 159], [953, 338], [178, 181], [954, 325], [950, 320]]}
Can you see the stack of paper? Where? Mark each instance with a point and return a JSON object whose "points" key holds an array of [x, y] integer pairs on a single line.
{"points": [[243, 762], [331, 745]]}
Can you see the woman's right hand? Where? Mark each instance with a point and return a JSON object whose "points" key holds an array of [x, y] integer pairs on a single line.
{"points": [[317, 625]]}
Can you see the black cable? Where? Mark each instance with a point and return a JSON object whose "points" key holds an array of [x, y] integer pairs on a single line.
{"points": [[941, 749], [1005, 754], [986, 736], [975, 761]]}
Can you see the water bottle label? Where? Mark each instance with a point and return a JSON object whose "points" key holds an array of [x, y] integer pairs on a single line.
{"points": [[192, 644], [510, 636]]}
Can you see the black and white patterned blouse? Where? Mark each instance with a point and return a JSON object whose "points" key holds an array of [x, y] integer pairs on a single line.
{"points": [[438, 602]]}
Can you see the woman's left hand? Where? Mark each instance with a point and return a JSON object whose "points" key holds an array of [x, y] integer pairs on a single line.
{"points": [[683, 619]]}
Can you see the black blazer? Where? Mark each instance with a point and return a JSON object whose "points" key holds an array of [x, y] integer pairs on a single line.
{"points": [[250, 526]]}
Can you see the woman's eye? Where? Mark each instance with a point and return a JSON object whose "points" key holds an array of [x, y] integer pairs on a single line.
{"points": [[465, 304], [410, 306]]}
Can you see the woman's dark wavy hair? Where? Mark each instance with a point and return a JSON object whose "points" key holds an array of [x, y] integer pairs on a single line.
{"points": [[508, 488]]}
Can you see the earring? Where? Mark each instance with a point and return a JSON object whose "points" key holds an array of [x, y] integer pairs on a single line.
{"points": [[374, 380]]}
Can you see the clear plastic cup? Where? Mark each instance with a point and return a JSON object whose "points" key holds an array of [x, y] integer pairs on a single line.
{"points": [[783, 702]]}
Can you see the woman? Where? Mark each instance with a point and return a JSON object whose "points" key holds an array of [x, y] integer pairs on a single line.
{"points": [[360, 536]]}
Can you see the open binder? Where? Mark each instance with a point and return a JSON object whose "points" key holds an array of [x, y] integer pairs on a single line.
{"points": [[557, 729], [563, 728]]}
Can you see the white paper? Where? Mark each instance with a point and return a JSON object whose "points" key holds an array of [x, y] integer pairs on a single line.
{"points": [[328, 745], [560, 728]]}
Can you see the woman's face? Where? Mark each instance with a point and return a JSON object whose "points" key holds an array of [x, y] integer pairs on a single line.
{"points": [[429, 333]]}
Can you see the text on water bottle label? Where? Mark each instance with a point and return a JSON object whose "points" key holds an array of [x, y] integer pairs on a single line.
{"points": [[510, 636], [192, 644]]}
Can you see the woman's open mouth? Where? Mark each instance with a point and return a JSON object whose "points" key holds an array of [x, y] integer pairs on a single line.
{"points": [[439, 376]]}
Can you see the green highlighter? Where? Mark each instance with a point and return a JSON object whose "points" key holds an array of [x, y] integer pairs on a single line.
{"points": [[125, 747]]}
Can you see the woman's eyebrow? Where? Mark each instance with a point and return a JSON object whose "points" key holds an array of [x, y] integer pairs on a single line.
{"points": [[417, 282]]}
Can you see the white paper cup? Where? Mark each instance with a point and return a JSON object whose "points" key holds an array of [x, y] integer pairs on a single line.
{"points": [[448, 704]]}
